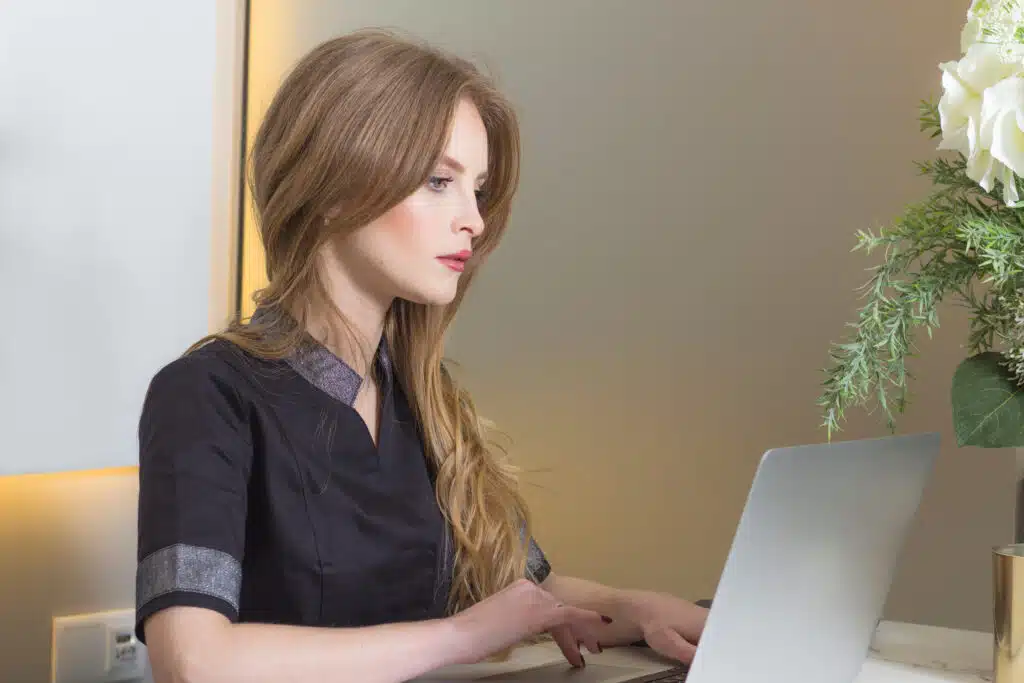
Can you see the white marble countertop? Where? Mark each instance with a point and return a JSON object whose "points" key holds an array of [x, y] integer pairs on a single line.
{"points": [[900, 653], [912, 653]]}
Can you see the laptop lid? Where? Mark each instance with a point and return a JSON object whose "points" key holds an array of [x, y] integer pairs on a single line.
{"points": [[812, 561]]}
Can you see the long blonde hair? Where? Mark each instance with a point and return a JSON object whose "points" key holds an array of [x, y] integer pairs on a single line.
{"points": [[357, 126]]}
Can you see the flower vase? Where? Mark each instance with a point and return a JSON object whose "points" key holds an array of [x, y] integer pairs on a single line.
{"points": [[1018, 497]]}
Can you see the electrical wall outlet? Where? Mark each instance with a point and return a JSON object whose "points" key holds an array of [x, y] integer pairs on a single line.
{"points": [[97, 648]]}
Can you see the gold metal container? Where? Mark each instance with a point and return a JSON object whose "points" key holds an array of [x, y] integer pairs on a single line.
{"points": [[1008, 613]]}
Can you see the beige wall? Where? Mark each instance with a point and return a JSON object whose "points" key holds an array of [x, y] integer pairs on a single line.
{"points": [[679, 260], [67, 546]]}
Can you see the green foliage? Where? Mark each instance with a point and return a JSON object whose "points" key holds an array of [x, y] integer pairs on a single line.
{"points": [[960, 242], [988, 403]]}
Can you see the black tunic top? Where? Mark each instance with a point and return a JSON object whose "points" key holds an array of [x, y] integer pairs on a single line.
{"points": [[263, 497]]}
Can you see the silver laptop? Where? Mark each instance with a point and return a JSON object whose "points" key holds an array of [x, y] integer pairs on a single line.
{"points": [[811, 563]]}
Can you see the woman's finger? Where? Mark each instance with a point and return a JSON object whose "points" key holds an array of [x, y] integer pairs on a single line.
{"points": [[670, 644], [584, 619], [566, 641], [587, 626], [591, 642]]}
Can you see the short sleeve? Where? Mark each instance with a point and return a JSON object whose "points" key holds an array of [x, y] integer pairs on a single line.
{"points": [[195, 455], [537, 565]]}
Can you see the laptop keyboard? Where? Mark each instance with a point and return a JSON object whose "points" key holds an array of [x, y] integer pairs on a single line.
{"points": [[673, 676]]}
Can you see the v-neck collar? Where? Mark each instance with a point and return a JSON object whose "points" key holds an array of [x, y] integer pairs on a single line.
{"points": [[326, 371], [319, 366]]}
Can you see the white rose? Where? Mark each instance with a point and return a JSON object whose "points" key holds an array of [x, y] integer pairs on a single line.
{"points": [[981, 120], [970, 34], [1001, 133], [965, 83]]}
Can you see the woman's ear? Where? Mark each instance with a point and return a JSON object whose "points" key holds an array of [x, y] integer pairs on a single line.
{"points": [[332, 214]]}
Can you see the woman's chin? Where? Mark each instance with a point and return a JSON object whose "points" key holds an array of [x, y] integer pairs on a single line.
{"points": [[431, 296]]}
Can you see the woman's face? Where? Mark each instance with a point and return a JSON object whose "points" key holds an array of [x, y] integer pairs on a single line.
{"points": [[417, 250]]}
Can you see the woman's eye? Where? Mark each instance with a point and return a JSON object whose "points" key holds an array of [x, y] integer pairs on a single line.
{"points": [[438, 183]]}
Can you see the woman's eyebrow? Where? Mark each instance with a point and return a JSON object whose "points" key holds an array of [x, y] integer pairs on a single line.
{"points": [[457, 166]]}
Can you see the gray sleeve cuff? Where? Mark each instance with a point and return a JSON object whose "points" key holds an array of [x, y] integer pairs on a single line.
{"points": [[182, 568], [537, 565]]}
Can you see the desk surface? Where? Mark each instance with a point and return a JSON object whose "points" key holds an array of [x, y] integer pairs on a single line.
{"points": [[900, 653], [910, 653]]}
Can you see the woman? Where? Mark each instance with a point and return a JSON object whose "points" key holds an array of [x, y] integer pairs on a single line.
{"points": [[318, 500]]}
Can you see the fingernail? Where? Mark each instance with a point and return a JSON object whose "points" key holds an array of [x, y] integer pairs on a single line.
{"points": [[605, 619]]}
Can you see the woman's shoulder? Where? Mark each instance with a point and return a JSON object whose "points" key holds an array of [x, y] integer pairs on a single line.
{"points": [[216, 358], [217, 365], [209, 393]]}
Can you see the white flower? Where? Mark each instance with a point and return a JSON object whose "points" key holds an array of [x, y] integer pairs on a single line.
{"points": [[981, 114], [970, 34], [997, 22], [1002, 134], [965, 83], [1014, 338]]}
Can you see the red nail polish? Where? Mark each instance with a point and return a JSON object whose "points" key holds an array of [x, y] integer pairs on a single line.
{"points": [[605, 619]]}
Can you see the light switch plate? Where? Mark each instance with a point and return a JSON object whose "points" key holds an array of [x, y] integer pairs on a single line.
{"points": [[97, 648]]}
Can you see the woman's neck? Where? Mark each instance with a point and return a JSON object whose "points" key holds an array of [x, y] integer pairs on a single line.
{"points": [[355, 337]]}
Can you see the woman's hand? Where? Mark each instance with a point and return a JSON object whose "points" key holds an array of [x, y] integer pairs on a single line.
{"points": [[671, 626], [518, 612]]}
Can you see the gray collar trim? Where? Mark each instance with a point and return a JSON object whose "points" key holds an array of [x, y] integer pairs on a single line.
{"points": [[324, 370], [329, 373]]}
